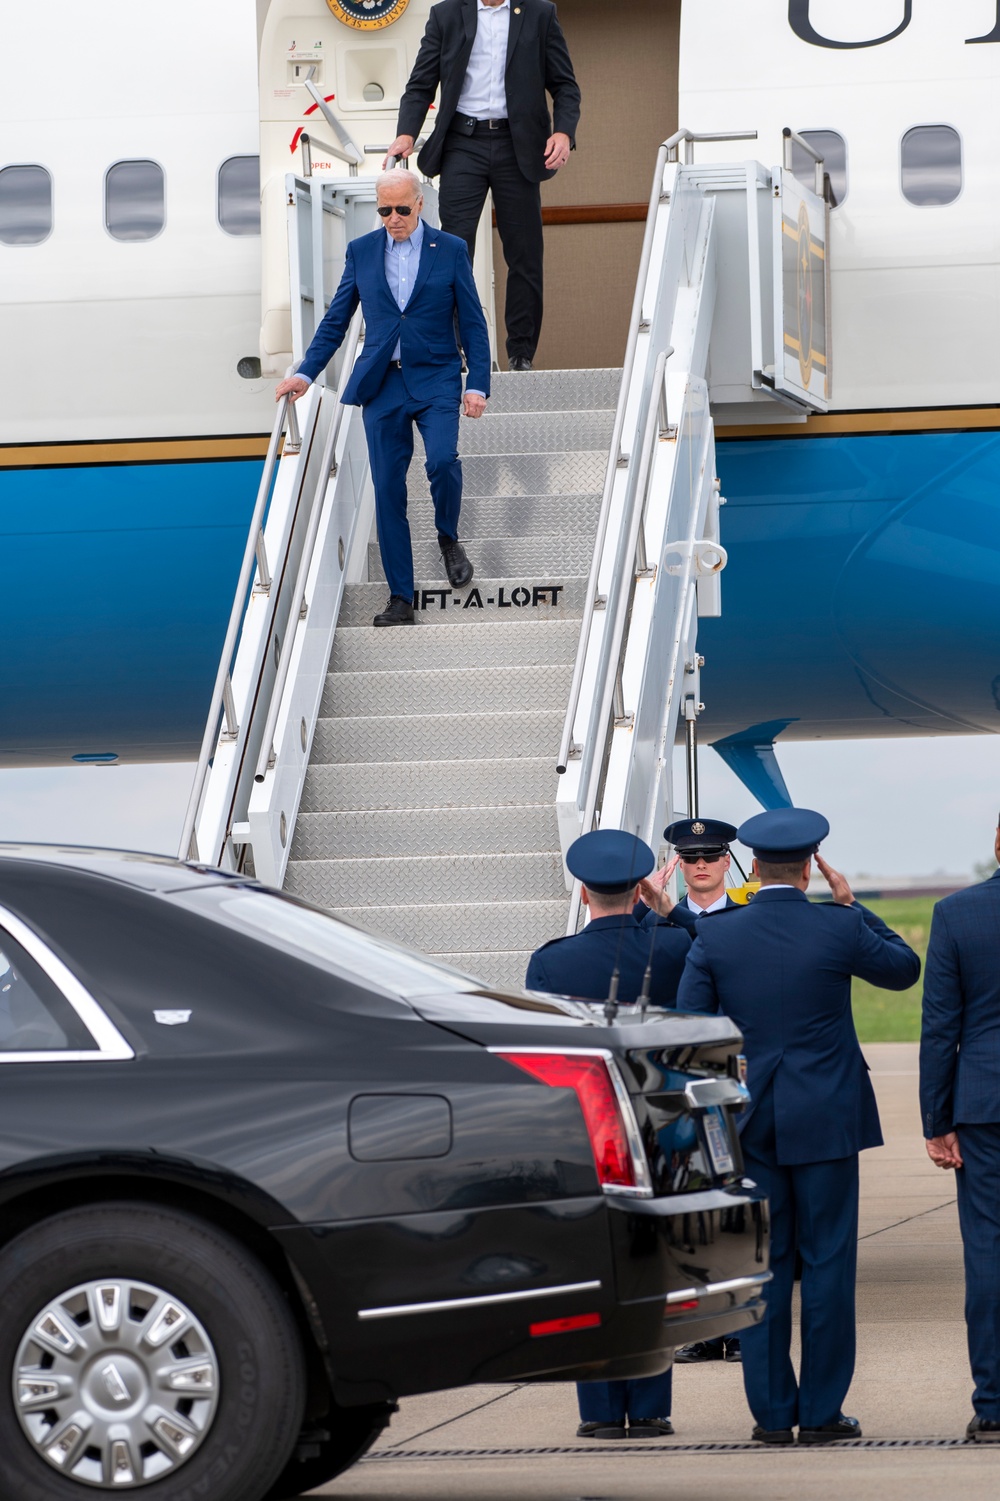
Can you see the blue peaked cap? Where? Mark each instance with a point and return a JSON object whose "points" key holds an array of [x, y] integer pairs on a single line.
{"points": [[784, 834], [609, 860], [707, 835]]}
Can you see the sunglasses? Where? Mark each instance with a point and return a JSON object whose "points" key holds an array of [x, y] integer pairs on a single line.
{"points": [[693, 859], [404, 210]]}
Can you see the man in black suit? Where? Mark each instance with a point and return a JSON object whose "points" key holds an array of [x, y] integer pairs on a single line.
{"points": [[960, 1107], [494, 61]]}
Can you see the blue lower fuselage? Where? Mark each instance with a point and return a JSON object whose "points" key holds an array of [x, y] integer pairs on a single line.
{"points": [[862, 595]]}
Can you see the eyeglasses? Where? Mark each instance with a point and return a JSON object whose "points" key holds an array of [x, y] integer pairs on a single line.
{"points": [[693, 859], [404, 210]]}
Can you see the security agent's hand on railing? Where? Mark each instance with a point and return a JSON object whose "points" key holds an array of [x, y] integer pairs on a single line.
{"points": [[400, 148], [839, 888], [653, 890], [293, 386]]}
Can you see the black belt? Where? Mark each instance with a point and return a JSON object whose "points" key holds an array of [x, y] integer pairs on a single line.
{"points": [[466, 125], [395, 364]]}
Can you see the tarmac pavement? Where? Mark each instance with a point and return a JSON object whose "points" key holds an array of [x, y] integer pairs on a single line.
{"points": [[911, 1389]]}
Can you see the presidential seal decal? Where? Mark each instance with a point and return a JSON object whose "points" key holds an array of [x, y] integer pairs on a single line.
{"points": [[367, 15]]}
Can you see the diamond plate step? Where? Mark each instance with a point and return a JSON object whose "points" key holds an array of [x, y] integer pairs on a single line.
{"points": [[444, 879], [446, 691], [492, 926], [497, 600], [554, 390], [523, 643], [503, 557], [436, 784], [516, 516], [535, 432], [503, 970], [437, 737], [522, 474], [425, 831]]}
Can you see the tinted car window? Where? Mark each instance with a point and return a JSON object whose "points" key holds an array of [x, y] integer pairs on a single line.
{"points": [[35, 1016], [930, 165], [239, 195], [25, 205], [134, 200], [833, 149]]}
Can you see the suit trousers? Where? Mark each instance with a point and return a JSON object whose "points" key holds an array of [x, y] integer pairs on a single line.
{"points": [[389, 420], [979, 1218], [814, 1207], [614, 1401], [471, 167]]}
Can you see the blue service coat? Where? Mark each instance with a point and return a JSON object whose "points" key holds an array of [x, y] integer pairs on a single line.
{"points": [[581, 964], [781, 967], [424, 329], [960, 1038]]}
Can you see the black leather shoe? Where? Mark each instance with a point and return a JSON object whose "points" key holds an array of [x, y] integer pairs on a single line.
{"points": [[830, 1432], [519, 362], [650, 1428], [600, 1430], [398, 611], [983, 1430], [732, 1352], [772, 1435], [701, 1350], [456, 564]]}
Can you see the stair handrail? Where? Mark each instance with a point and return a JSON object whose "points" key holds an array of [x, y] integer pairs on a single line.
{"points": [[222, 703], [667, 152], [327, 468]]}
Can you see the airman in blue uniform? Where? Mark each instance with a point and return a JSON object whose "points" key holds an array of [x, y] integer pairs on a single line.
{"points": [[781, 967], [611, 864]]}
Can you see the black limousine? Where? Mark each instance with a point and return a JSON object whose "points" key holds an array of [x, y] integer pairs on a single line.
{"points": [[261, 1174]]}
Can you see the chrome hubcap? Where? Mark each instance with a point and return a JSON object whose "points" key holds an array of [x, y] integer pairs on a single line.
{"points": [[115, 1383]]}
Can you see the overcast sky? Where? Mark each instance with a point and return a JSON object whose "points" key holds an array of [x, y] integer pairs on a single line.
{"points": [[897, 807]]}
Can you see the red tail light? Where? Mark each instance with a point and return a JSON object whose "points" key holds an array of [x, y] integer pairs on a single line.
{"points": [[565, 1326], [607, 1113]]}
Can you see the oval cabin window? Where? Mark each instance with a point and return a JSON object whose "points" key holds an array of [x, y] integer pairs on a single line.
{"points": [[134, 200], [833, 149], [930, 165], [25, 205], [239, 195]]}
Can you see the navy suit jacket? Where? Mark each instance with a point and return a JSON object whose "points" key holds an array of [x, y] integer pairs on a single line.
{"points": [[960, 1038], [781, 967], [581, 964], [424, 330]]}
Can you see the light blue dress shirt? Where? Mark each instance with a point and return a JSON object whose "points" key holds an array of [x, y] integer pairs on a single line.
{"points": [[402, 262], [484, 92]]}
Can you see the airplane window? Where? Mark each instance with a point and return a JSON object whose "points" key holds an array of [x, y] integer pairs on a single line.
{"points": [[833, 149], [25, 205], [35, 1016], [930, 165], [134, 200], [239, 195]]}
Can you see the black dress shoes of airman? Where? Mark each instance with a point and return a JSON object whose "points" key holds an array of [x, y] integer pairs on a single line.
{"points": [[456, 561], [519, 362], [984, 1430], [601, 1430], [398, 611], [772, 1435], [700, 1351], [650, 1428], [831, 1432]]}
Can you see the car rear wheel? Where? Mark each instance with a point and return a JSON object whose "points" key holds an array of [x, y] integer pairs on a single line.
{"points": [[142, 1349]]}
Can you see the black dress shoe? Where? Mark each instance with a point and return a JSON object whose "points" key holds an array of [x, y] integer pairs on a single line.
{"points": [[456, 563], [984, 1430], [650, 1428], [732, 1351], [519, 362], [601, 1430], [772, 1435], [398, 611], [701, 1350], [830, 1432]]}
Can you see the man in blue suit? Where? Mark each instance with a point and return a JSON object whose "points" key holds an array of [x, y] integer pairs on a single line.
{"points": [[960, 1108], [610, 865], [412, 282], [781, 967]]}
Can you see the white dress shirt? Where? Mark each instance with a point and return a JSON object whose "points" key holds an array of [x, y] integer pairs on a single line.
{"points": [[716, 906], [484, 93]]}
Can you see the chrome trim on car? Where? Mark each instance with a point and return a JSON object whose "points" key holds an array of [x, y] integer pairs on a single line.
{"points": [[110, 1042], [702, 1094], [443, 1305], [710, 1289]]}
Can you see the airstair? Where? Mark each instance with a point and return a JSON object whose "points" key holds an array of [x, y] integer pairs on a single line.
{"points": [[424, 782]]}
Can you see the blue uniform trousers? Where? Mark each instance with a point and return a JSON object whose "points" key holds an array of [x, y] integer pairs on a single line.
{"points": [[979, 1218], [389, 420], [814, 1206], [614, 1401]]}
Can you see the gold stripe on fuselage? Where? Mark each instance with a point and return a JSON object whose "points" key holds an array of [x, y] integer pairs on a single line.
{"points": [[130, 451], [843, 424]]}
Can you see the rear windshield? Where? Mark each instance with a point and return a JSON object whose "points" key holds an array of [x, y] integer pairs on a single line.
{"points": [[292, 926]]}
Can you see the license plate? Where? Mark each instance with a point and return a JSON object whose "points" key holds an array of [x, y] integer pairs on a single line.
{"points": [[717, 1137]]}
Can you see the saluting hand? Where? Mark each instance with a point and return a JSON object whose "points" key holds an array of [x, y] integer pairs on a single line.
{"points": [[839, 889], [653, 889], [944, 1150]]}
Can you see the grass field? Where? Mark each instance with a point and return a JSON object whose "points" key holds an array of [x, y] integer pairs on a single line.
{"points": [[894, 1015]]}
